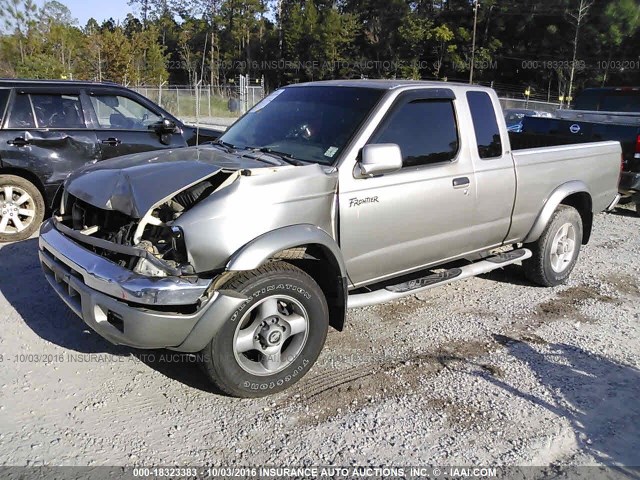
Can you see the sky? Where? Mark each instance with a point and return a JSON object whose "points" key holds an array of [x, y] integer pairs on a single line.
{"points": [[101, 10]]}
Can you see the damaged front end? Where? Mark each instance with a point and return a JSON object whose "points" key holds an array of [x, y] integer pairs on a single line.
{"points": [[151, 246], [139, 246]]}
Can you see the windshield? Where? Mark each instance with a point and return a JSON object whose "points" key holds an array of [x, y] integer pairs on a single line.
{"points": [[312, 124]]}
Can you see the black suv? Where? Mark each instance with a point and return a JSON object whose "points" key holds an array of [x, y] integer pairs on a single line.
{"points": [[51, 128]]}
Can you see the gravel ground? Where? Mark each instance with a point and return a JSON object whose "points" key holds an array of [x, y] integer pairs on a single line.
{"points": [[489, 371]]}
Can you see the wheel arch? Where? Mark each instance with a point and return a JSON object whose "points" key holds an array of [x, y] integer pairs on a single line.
{"points": [[574, 194], [582, 202], [27, 175], [309, 248]]}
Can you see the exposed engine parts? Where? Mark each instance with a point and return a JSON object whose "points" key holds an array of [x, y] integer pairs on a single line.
{"points": [[152, 234]]}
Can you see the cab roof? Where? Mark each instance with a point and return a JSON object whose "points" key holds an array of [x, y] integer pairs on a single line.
{"points": [[13, 82], [388, 84]]}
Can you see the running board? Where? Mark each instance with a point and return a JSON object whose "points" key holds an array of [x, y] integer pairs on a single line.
{"points": [[395, 292]]}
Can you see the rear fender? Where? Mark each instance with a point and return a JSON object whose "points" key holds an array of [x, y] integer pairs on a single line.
{"points": [[551, 205]]}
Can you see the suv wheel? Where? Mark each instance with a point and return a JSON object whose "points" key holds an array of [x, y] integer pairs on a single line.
{"points": [[21, 208], [556, 252], [274, 338]]}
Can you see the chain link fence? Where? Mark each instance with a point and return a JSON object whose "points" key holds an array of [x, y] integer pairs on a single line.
{"points": [[525, 97], [540, 106], [223, 105], [205, 104]]}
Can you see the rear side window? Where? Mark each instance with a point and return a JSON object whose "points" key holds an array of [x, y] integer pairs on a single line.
{"points": [[425, 130], [588, 100], [609, 101], [21, 114], [4, 96], [485, 125], [628, 102], [58, 111]]}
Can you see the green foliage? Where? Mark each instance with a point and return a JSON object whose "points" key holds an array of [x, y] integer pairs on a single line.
{"points": [[214, 41]]}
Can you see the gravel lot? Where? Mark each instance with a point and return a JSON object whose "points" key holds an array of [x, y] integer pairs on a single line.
{"points": [[489, 371]]}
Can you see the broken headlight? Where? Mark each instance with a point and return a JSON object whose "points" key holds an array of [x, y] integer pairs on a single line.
{"points": [[169, 248], [148, 269]]}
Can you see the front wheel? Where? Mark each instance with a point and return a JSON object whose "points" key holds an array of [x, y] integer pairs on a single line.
{"points": [[274, 338], [556, 252]]}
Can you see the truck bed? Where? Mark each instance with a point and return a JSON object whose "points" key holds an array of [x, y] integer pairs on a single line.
{"points": [[590, 164], [528, 140], [540, 132]]}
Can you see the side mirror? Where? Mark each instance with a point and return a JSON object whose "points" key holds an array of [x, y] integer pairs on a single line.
{"points": [[380, 159], [164, 126]]}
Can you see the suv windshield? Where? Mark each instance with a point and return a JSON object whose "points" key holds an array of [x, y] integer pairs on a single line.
{"points": [[312, 124]]}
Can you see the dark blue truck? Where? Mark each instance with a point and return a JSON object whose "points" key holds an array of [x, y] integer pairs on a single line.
{"points": [[599, 114]]}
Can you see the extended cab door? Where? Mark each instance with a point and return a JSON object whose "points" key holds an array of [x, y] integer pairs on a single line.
{"points": [[45, 133], [425, 212], [125, 125], [494, 169]]}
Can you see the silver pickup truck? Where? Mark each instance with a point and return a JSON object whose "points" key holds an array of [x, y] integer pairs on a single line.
{"points": [[325, 196]]}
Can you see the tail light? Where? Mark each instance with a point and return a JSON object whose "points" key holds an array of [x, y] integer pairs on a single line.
{"points": [[637, 155]]}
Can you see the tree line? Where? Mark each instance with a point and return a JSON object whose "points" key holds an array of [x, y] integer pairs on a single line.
{"points": [[550, 46]]}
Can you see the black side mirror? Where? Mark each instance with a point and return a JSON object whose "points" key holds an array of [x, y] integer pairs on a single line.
{"points": [[164, 127]]}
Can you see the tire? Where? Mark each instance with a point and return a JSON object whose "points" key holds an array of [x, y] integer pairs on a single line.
{"points": [[22, 208], [549, 267], [256, 353]]}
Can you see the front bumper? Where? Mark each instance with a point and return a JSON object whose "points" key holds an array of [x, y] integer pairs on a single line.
{"points": [[131, 309]]}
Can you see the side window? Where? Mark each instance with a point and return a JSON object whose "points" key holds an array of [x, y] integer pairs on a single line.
{"points": [[485, 125], [118, 112], [21, 115], [58, 111], [4, 96], [425, 130]]}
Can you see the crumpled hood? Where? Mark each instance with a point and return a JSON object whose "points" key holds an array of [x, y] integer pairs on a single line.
{"points": [[133, 184]]}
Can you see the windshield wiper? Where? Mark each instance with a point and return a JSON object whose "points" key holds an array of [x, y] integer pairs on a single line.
{"points": [[227, 146], [287, 157]]}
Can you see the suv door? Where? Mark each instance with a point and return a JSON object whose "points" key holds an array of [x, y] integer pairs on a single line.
{"points": [[126, 125], [45, 133], [420, 215]]}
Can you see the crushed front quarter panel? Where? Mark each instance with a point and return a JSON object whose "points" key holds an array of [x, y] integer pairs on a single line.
{"points": [[253, 205]]}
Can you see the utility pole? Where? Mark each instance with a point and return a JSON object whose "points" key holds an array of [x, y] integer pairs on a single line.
{"points": [[476, 5]]}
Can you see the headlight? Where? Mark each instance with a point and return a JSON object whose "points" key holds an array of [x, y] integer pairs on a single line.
{"points": [[170, 251], [148, 269]]}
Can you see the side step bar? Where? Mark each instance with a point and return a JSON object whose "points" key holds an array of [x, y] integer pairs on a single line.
{"points": [[395, 292]]}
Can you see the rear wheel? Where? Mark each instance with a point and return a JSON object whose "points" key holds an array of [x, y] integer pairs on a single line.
{"points": [[556, 252], [21, 208], [274, 338]]}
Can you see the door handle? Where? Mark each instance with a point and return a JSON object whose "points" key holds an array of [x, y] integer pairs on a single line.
{"points": [[19, 142], [462, 182], [113, 142]]}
